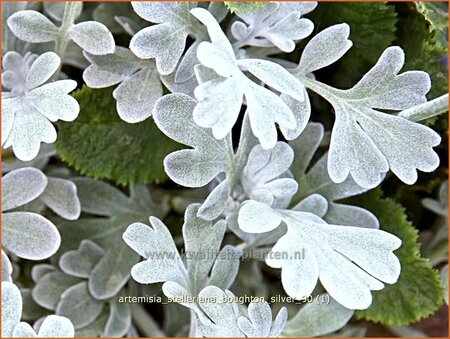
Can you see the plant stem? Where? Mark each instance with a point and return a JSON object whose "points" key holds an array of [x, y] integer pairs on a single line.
{"points": [[325, 91], [193, 326], [144, 322], [426, 110], [70, 13], [231, 160], [405, 331]]}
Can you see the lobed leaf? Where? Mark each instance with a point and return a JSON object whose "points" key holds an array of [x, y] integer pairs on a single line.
{"points": [[32, 26], [112, 271], [80, 262], [156, 245], [11, 308], [71, 296], [93, 37], [165, 41], [29, 235], [325, 48], [318, 319], [51, 98], [199, 235], [377, 20], [49, 288], [259, 321], [224, 317], [225, 268], [363, 135], [28, 107], [275, 24], [56, 326], [191, 168], [349, 261], [77, 304], [222, 314], [210, 110], [262, 177], [22, 186], [317, 193], [41, 70], [163, 263], [119, 320], [60, 195]]}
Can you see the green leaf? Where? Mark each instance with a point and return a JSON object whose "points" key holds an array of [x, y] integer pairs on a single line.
{"points": [[418, 292], [372, 30], [99, 144], [424, 42], [436, 14], [243, 7]]}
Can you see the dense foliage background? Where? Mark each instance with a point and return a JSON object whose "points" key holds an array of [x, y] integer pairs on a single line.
{"points": [[99, 145]]}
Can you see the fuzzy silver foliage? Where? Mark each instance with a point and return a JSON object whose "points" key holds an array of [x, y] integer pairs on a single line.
{"points": [[51, 327], [30, 235], [211, 110], [317, 319], [349, 261], [250, 172], [32, 26], [164, 264], [65, 292], [210, 80], [107, 208], [277, 24], [32, 104], [223, 318], [317, 193], [365, 142]]}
